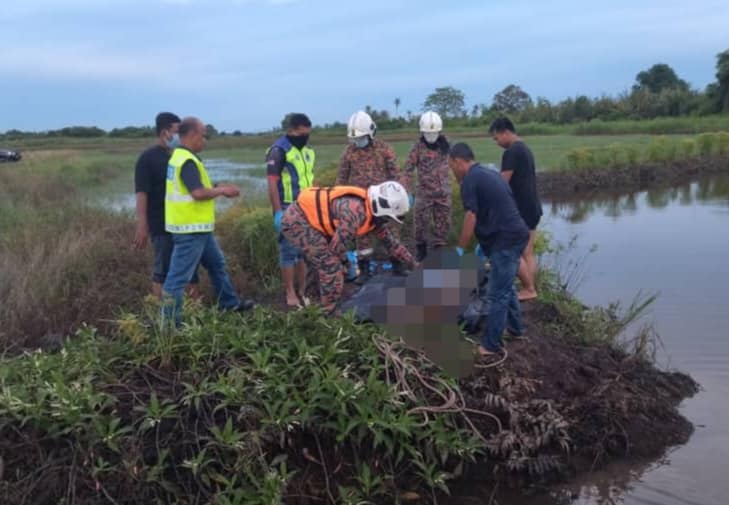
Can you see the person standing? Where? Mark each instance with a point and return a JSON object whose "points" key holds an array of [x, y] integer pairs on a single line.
{"points": [[324, 220], [429, 157], [490, 212], [290, 169], [518, 169], [190, 218], [150, 176], [366, 161]]}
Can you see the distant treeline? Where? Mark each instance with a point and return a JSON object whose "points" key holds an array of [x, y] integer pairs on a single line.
{"points": [[657, 93]]}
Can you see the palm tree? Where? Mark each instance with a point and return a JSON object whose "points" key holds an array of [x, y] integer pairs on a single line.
{"points": [[397, 105]]}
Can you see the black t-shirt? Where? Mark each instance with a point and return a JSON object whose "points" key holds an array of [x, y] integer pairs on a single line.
{"points": [[150, 176], [519, 159], [498, 223]]}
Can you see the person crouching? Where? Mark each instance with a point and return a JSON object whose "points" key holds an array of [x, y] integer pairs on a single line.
{"points": [[324, 221]]}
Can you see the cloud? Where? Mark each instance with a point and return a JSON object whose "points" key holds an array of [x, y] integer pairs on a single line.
{"points": [[82, 62]]}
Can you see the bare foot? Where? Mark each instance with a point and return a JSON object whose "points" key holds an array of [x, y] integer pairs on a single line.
{"points": [[293, 300], [482, 351], [525, 295]]}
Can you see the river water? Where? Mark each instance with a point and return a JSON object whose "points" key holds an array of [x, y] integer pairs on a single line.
{"points": [[674, 241], [120, 195]]}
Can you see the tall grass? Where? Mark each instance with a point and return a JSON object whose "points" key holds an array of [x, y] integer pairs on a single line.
{"points": [[61, 263], [660, 149]]}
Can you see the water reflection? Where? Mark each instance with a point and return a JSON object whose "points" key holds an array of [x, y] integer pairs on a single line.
{"points": [[674, 241], [615, 205], [250, 177]]}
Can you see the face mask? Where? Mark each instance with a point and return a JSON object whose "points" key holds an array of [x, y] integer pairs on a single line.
{"points": [[362, 142], [431, 137], [298, 141], [173, 141]]}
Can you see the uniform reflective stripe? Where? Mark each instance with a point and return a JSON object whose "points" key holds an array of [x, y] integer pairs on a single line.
{"points": [[180, 198], [184, 214], [297, 173]]}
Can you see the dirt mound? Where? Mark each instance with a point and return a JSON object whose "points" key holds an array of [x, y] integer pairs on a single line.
{"points": [[611, 404], [569, 183]]}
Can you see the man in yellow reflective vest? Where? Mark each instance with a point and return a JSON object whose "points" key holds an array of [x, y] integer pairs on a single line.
{"points": [[190, 218], [289, 170]]}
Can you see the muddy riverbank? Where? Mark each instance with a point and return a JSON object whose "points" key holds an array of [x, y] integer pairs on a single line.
{"points": [[570, 183]]}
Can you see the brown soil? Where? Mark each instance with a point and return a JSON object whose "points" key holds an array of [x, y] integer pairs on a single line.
{"points": [[583, 182], [616, 406]]}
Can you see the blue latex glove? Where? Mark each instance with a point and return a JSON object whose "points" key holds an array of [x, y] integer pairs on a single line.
{"points": [[277, 220], [412, 201], [459, 251], [479, 252]]}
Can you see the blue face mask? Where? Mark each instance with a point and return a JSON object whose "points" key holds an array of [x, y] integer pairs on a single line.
{"points": [[174, 141], [362, 142]]}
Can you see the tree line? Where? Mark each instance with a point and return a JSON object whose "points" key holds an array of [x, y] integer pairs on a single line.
{"points": [[657, 92]]}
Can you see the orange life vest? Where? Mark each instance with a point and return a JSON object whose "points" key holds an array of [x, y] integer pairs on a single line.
{"points": [[316, 205]]}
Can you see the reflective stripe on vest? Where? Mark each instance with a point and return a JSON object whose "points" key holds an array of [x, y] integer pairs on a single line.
{"points": [[298, 171], [316, 205], [184, 214]]}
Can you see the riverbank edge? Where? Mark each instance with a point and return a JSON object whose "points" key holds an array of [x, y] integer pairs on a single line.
{"points": [[583, 183]]}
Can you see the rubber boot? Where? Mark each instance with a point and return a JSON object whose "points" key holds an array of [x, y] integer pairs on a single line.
{"points": [[364, 271], [421, 251]]}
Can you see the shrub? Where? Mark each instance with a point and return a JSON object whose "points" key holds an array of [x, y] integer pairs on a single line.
{"points": [[705, 143], [722, 143], [687, 148], [248, 238]]}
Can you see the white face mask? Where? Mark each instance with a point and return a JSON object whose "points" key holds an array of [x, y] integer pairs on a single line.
{"points": [[361, 142], [431, 137]]}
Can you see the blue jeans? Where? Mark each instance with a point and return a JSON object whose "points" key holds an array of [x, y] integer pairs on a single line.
{"points": [[504, 311], [191, 249]]}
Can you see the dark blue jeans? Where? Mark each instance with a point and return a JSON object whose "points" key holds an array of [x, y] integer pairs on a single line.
{"points": [[504, 311], [191, 249]]}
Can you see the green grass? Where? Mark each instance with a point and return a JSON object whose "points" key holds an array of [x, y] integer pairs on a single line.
{"points": [[549, 150]]}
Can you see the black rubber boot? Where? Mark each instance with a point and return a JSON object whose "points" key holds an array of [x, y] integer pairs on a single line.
{"points": [[421, 251], [364, 271]]}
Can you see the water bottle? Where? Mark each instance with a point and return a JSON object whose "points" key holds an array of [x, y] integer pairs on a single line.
{"points": [[352, 269]]}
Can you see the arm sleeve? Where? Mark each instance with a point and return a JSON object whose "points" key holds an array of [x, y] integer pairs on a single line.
{"points": [[349, 212], [343, 172], [410, 165], [391, 170], [275, 161], [394, 248], [142, 183], [469, 196], [512, 161], [190, 176]]}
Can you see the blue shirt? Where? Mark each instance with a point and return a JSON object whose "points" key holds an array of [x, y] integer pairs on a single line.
{"points": [[498, 222]]}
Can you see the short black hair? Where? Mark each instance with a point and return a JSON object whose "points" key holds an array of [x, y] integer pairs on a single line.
{"points": [[164, 120], [297, 119], [501, 124], [461, 151]]}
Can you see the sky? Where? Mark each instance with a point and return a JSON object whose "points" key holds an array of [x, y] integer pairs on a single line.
{"points": [[244, 64]]}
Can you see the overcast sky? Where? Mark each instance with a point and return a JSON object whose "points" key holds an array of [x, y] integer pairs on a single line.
{"points": [[243, 64]]}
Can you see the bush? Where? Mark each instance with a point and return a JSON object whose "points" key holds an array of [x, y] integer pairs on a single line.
{"points": [[248, 238], [222, 412], [705, 143], [687, 148], [722, 143]]}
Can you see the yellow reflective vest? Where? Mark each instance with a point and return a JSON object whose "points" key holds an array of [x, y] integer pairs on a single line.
{"points": [[298, 171], [184, 214]]}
